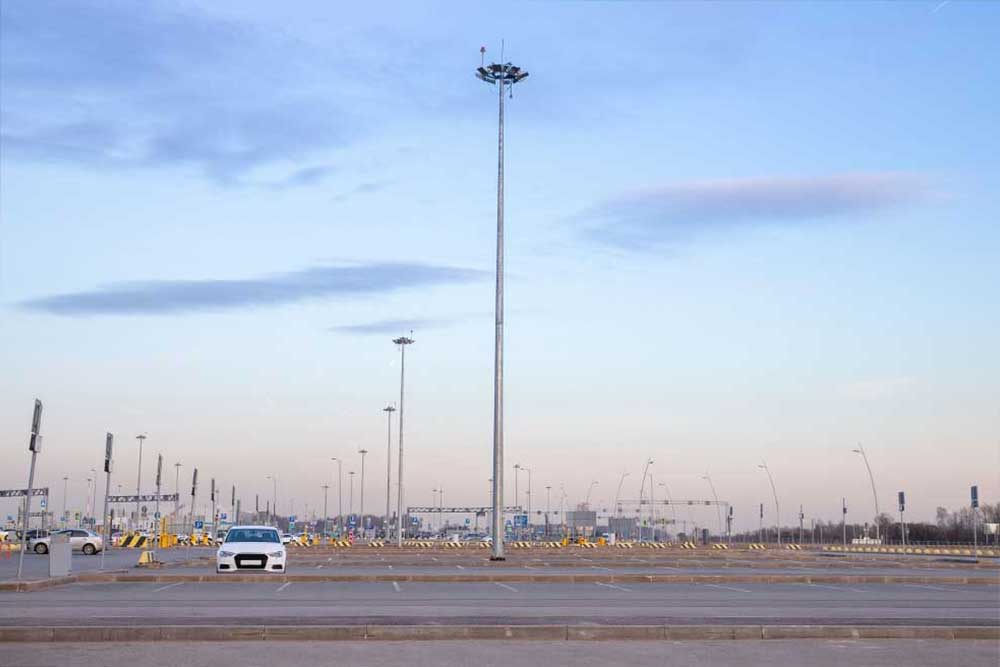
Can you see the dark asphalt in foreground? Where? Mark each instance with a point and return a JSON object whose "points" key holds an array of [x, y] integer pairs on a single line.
{"points": [[290, 603], [37, 566], [815, 653]]}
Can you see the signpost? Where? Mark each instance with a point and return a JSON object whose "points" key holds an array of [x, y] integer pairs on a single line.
{"points": [[109, 441], [194, 491], [974, 492], [902, 522], [215, 522], [34, 446]]}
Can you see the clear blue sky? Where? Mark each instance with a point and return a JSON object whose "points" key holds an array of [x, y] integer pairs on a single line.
{"points": [[736, 232]]}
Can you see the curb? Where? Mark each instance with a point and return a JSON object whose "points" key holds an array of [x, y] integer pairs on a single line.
{"points": [[491, 632], [166, 578]]}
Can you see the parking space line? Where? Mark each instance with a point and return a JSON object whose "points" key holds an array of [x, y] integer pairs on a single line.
{"points": [[163, 588], [729, 588], [283, 586], [395, 587], [460, 567], [509, 588], [617, 588], [836, 588], [930, 588]]}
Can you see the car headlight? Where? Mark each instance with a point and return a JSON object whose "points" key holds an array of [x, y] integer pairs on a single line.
{"points": [[226, 554], [277, 554]]}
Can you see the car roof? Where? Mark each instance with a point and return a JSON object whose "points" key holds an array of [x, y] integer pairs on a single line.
{"points": [[253, 528]]}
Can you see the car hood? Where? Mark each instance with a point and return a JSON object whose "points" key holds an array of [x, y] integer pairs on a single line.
{"points": [[251, 547]]}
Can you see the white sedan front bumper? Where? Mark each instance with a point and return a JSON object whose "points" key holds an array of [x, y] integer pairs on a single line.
{"points": [[270, 559]]}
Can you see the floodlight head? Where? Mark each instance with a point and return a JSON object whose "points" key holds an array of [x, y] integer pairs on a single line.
{"points": [[506, 73], [402, 340], [856, 451], [388, 408]]}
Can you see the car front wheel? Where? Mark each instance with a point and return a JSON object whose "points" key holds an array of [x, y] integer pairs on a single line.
{"points": [[89, 549], [41, 549]]}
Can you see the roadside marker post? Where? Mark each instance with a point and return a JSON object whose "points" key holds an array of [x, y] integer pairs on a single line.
{"points": [[974, 492], [34, 446], [158, 523], [109, 441]]}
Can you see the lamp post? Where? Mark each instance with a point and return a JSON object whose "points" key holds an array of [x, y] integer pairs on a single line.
{"points": [[177, 487], [589, 490], [64, 517], [350, 504], [548, 498], [402, 342], [618, 493], [861, 450], [326, 515], [506, 75], [340, 496], [777, 509], [138, 478], [642, 487], [673, 508], [363, 452], [388, 410], [528, 524], [718, 508], [517, 497], [274, 503]]}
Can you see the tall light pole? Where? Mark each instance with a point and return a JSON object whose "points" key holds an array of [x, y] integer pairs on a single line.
{"points": [[871, 478], [528, 526], [718, 508], [618, 492], [642, 487], [402, 342], [517, 497], [340, 496], [274, 503], [350, 505], [362, 452], [548, 498], [506, 75], [673, 508], [777, 509], [326, 515], [64, 517], [138, 478], [589, 489], [177, 487], [388, 410]]}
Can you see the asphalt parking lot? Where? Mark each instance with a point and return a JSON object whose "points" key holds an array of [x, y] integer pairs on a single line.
{"points": [[37, 566], [822, 653], [404, 603]]}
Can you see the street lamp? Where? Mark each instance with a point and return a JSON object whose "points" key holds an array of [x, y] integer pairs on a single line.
{"points": [[402, 342], [642, 487], [528, 470], [363, 452], [350, 504], [274, 500], [138, 478], [673, 508], [326, 515], [548, 498], [618, 493], [340, 496], [718, 508], [64, 517], [177, 488], [777, 509], [871, 478], [506, 75], [388, 410], [591, 488]]}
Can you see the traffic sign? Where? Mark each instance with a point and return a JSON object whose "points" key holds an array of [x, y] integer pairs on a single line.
{"points": [[223, 516], [156, 515], [414, 520], [292, 518], [466, 521], [44, 503], [521, 520], [198, 525]]}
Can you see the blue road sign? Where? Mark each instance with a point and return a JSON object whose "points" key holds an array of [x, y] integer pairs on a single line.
{"points": [[466, 522], [223, 517], [292, 518], [198, 525], [156, 515], [352, 521], [414, 520], [44, 503], [521, 520]]}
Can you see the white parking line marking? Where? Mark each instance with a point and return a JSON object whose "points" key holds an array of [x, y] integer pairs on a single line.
{"points": [[390, 567], [319, 566], [836, 588], [617, 588], [597, 567], [283, 586], [460, 567], [509, 588], [163, 588], [396, 587], [729, 588], [930, 588]]}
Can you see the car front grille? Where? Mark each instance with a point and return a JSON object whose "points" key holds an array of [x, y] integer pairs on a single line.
{"points": [[260, 564]]}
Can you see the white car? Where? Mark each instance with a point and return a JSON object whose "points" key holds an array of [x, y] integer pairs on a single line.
{"points": [[251, 548], [86, 541]]}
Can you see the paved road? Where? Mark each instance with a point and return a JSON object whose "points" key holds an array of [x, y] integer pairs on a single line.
{"points": [[37, 567], [277, 603], [915, 653]]}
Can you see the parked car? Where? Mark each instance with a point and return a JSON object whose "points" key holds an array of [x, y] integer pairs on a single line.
{"points": [[33, 534], [251, 548], [80, 539]]}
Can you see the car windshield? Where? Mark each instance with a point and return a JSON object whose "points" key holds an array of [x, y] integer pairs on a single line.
{"points": [[252, 535]]}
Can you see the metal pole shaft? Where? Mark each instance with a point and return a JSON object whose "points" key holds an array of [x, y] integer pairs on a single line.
{"points": [[498, 534], [388, 470], [871, 478], [340, 498], [65, 481], [399, 474], [104, 519], [362, 495], [27, 514], [138, 477]]}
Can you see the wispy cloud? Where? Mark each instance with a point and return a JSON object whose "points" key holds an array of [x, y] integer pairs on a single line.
{"points": [[384, 327], [118, 85], [364, 188], [304, 176], [673, 214], [163, 297]]}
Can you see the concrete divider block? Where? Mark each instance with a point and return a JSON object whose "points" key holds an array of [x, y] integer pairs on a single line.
{"points": [[968, 632], [136, 634], [615, 632], [77, 634], [464, 632], [809, 632], [904, 632], [25, 634], [709, 632], [314, 633], [211, 633]]}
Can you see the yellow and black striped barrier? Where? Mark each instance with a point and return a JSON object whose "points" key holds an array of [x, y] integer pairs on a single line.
{"points": [[922, 551], [720, 546], [757, 547], [624, 545], [793, 547], [373, 543], [587, 545], [688, 545]]}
